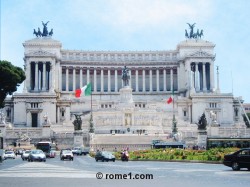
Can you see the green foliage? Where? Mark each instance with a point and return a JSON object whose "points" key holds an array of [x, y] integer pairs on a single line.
{"points": [[10, 78], [216, 154]]}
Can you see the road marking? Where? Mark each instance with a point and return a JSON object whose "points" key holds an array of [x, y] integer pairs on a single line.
{"points": [[41, 169]]}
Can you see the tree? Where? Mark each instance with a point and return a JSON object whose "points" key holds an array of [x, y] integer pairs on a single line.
{"points": [[10, 78]]}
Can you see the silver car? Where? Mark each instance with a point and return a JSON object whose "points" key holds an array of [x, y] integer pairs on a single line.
{"points": [[37, 155]]}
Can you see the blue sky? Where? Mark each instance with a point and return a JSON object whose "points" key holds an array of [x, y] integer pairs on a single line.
{"points": [[136, 25]]}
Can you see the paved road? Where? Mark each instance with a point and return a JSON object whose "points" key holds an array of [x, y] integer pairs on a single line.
{"points": [[83, 171]]}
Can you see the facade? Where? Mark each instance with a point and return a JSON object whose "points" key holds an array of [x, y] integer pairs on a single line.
{"points": [[186, 73]]}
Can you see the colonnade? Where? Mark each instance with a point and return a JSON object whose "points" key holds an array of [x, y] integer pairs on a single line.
{"points": [[40, 76], [202, 76], [108, 79]]}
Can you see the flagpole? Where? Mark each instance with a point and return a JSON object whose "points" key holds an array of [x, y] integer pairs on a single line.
{"points": [[91, 129], [174, 128]]}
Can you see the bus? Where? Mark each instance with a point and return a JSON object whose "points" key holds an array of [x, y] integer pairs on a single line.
{"points": [[46, 147], [228, 142], [159, 144]]}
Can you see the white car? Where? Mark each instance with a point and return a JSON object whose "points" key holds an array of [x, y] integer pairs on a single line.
{"points": [[67, 154], [9, 154], [25, 154]]}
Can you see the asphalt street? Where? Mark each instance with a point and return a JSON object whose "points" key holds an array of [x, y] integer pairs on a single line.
{"points": [[85, 171]]}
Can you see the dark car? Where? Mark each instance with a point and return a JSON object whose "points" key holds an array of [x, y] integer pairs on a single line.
{"points": [[239, 159], [104, 156]]}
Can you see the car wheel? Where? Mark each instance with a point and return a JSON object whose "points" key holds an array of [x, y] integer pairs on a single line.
{"points": [[72, 159], [248, 169], [113, 160], [103, 160], [44, 160], [96, 160], [235, 166]]}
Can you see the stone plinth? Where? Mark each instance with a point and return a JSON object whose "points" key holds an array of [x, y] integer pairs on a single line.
{"points": [[78, 138], [126, 95], [202, 138]]}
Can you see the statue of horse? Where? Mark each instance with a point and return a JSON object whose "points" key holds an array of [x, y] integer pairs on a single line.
{"points": [[39, 32], [51, 32], [186, 33], [35, 33]]}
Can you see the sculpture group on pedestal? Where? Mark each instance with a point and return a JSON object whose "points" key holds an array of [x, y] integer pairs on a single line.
{"points": [[45, 32]]}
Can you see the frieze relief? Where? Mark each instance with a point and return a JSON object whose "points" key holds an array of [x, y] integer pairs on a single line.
{"points": [[40, 53], [109, 120]]}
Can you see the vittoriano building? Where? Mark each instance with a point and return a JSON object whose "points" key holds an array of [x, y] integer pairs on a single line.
{"points": [[187, 74]]}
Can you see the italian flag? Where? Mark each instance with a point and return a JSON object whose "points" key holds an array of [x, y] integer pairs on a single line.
{"points": [[84, 91]]}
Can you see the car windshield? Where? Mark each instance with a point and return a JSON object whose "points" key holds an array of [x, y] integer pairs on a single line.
{"points": [[66, 151], [106, 153], [36, 152], [9, 152], [26, 152]]}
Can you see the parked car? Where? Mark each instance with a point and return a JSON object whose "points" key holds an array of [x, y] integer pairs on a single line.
{"points": [[104, 156], [239, 159], [9, 154], [67, 154], [77, 151], [37, 155], [25, 155]]}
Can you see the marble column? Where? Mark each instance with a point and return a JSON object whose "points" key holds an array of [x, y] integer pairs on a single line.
{"points": [[88, 75], [211, 72], [95, 82], [80, 77], [44, 77], [157, 80], [164, 80], [204, 77], [108, 80], [115, 80], [171, 80], [136, 79], [36, 76], [150, 80], [178, 78], [143, 80], [60, 79], [101, 80], [67, 78], [196, 77], [74, 78]]}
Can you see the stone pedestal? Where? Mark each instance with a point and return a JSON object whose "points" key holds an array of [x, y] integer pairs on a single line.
{"points": [[46, 132], [202, 138], [214, 131], [78, 138], [126, 95]]}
